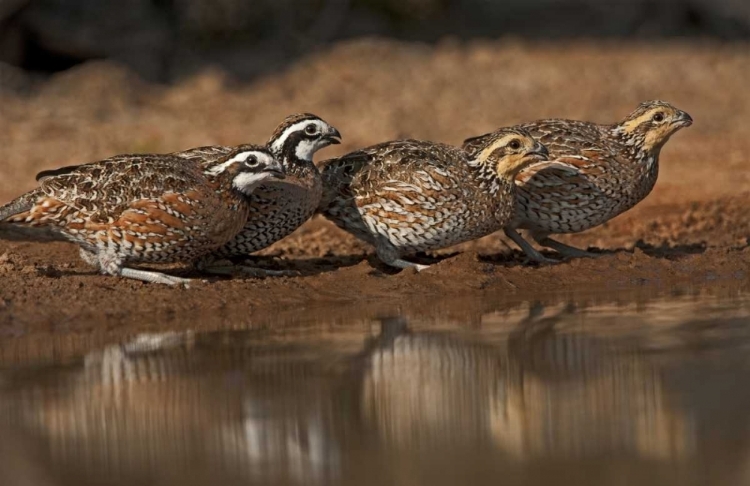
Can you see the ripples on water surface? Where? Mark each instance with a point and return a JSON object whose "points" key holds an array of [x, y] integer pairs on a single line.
{"points": [[605, 390]]}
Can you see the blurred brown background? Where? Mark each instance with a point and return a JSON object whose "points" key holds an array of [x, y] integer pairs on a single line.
{"points": [[164, 40]]}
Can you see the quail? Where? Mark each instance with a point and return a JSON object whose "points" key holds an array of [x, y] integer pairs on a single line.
{"points": [[130, 209], [278, 208], [600, 171], [410, 196]]}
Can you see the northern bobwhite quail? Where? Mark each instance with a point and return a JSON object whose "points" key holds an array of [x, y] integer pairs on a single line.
{"points": [[603, 171], [278, 208], [146, 207], [409, 196]]}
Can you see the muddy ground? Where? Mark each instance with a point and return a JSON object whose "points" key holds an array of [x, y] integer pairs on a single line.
{"points": [[693, 228]]}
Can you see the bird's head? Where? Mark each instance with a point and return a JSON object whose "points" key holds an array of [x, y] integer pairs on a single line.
{"points": [[301, 135], [510, 150], [649, 127], [247, 166]]}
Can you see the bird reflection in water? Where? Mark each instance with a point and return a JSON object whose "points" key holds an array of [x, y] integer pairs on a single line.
{"points": [[542, 393], [242, 405]]}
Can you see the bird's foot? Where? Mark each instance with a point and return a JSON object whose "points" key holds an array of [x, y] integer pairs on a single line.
{"points": [[537, 257], [154, 277], [566, 250], [532, 254], [399, 263]]}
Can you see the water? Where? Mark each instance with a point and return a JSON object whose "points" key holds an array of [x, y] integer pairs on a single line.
{"points": [[596, 389]]}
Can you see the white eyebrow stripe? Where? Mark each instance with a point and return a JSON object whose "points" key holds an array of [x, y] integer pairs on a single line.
{"points": [[278, 144], [241, 157]]}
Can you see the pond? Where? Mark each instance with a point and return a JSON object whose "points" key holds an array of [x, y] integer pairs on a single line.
{"points": [[608, 389]]}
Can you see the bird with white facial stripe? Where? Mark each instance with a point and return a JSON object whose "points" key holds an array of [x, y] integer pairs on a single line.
{"points": [[145, 208], [277, 208], [411, 196]]}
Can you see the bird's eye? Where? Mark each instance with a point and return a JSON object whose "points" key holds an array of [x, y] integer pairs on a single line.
{"points": [[514, 144], [251, 161], [311, 129], [658, 117]]}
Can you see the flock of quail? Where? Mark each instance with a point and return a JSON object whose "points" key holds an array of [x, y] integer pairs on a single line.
{"points": [[209, 204]]}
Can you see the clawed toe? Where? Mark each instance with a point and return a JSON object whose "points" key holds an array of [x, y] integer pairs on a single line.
{"points": [[172, 280], [576, 253], [181, 281], [420, 267], [588, 254], [541, 260], [399, 263]]}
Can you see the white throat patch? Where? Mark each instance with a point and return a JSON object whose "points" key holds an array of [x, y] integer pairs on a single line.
{"points": [[306, 149], [247, 182]]}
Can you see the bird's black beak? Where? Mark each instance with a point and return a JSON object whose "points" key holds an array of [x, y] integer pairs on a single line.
{"points": [[539, 151], [333, 137], [683, 119], [277, 170]]}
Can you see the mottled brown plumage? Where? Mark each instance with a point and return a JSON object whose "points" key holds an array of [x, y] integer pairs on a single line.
{"points": [[409, 196], [145, 208], [600, 172], [278, 208]]}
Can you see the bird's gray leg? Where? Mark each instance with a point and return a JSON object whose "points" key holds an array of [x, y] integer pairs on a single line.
{"points": [[110, 264], [390, 256], [529, 250], [153, 277], [562, 248]]}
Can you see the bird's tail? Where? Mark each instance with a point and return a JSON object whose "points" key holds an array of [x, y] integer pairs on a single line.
{"points": [[14, 211]]}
